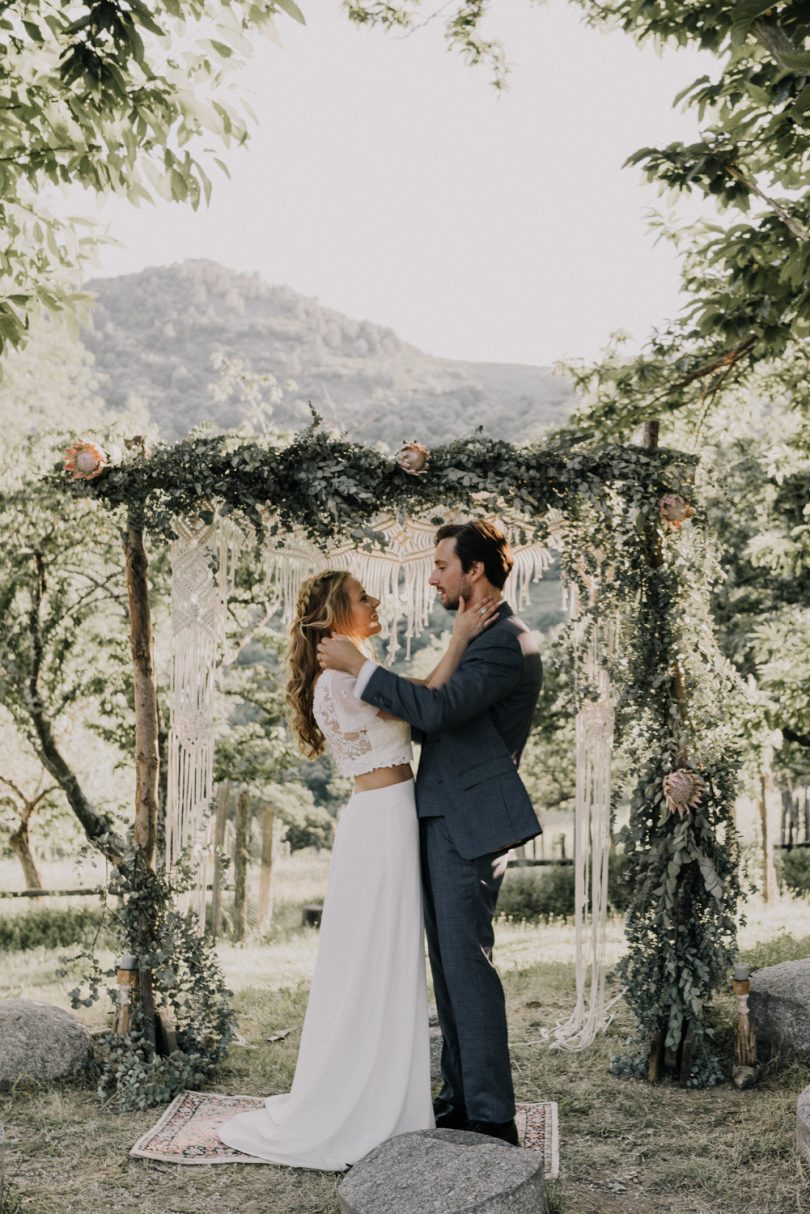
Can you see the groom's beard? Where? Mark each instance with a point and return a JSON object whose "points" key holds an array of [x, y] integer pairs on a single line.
{"points": [[463, 591]]}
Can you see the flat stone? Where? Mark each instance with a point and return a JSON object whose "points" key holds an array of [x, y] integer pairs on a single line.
{"points": [[445, 1172], [779, 1005], [803, 1124], [40, 1043]]}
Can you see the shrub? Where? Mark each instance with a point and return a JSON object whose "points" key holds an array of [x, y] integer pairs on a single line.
{"points": [[533, 893], [795, 870], [620, 892], [49, 928], [548, 893], [782, 947]]}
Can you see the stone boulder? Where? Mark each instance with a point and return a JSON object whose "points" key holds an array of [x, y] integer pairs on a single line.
{"points": [[803, 1125], [779, 1005], [40, 1043], [445, 1172]]}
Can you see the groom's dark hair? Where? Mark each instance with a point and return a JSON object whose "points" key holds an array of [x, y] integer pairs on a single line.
{"points": [[480, 541]]}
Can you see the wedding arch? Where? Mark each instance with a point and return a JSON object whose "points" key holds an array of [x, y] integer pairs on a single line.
{"points": [[637, 566]]}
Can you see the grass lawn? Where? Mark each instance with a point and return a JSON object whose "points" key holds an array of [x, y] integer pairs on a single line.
{"points": [[625, 1146]]}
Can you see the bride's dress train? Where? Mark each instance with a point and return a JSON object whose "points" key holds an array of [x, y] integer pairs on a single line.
{"points": [[363, 1070]]}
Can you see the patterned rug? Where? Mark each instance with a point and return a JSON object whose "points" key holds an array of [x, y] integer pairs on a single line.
{"points": [[187, 1131]]}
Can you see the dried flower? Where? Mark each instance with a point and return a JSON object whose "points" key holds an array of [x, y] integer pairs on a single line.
{"points": [[674, 509], [413, 458], [682, 791], [85, 460]]}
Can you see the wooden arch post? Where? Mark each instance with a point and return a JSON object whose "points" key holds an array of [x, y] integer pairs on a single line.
{"points": [[147, 755], [147, 761], [660, 1058]]}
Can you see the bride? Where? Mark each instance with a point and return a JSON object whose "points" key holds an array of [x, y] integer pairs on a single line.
{"points": [[363, 1070]]}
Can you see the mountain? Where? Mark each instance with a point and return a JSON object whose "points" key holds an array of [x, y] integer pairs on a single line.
{"points": [[153, 335]]}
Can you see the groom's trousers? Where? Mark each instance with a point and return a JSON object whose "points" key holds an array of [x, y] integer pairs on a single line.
{"points": [[460, 897]]}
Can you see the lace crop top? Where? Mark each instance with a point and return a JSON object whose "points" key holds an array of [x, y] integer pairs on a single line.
{"points": [[358, 737]]}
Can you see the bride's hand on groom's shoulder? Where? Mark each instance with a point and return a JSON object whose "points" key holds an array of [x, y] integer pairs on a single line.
{"points": [[471, 621], [339, 653]]}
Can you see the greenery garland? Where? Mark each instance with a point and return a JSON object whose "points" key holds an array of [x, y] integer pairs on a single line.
{"points": [[677, 697], [681, 703], [326, 486], [187, 982]]}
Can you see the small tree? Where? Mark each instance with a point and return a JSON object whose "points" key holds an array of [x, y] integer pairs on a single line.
{"points": [[22, 807]]}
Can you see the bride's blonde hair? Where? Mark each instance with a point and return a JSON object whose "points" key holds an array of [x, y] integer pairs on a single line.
{"points": [[323, 606]]}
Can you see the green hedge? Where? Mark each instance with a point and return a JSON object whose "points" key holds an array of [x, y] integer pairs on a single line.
{"points": [[548, 893], [46, 928], [795, 870]]}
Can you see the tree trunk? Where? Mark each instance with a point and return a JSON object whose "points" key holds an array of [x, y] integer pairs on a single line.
{"points": [[266, 877], [223, 796], [652, 431], [147, 764], [95, 826], [240, 862], [147, 756], [163, 774], [768, 866], [660, 1059], [20, 845]]}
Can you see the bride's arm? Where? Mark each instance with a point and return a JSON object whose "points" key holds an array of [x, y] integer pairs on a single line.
{"points": [[469, 623]]}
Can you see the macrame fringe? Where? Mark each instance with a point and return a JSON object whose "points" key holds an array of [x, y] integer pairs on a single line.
{"points": [[398, 574], [203, 561], [594, 754]]}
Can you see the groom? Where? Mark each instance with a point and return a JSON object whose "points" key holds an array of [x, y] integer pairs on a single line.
{"points": [[472, 808]]}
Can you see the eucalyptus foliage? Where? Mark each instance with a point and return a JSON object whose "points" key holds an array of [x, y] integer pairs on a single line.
{"points": [[325, 486], [682, 708], [187, 982]]}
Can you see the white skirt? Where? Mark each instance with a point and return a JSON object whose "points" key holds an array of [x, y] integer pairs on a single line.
{"points": [[363, 1070]]}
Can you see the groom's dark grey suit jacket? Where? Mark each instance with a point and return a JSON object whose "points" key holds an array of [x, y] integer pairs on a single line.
{"points": [[473, 730]]}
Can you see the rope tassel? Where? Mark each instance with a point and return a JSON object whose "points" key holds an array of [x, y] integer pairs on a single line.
{"points": [[594, 755]]}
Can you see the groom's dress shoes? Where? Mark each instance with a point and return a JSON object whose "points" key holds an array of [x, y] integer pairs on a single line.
{"points": [[448, 1117], [505, 1130]]}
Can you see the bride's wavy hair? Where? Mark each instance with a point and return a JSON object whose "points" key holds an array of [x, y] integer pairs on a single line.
{"points": [[323, 606]]}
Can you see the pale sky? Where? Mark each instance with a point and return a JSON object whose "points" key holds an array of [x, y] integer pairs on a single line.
{"points": [[389, 180]]}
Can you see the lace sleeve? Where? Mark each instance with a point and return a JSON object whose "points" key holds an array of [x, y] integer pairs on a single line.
{"points": [[358, 737], [350, 712]]}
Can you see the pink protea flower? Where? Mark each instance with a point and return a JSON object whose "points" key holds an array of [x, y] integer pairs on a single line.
{"points": [[85, 460], [674, 509], [682, 791], [413, 458]]}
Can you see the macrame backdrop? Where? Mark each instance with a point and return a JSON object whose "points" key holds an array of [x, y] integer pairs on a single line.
{"points": [[203, 560], [398, 574], [594, 753]]}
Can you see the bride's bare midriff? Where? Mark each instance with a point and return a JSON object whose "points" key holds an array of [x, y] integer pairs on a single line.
{"points": [[382, 777]]}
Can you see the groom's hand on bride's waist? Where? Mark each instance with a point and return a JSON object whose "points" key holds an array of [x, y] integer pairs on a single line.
{"points": [[339, 653]]}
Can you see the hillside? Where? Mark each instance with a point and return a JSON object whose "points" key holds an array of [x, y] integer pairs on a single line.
{"points": [[153, 335]]}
